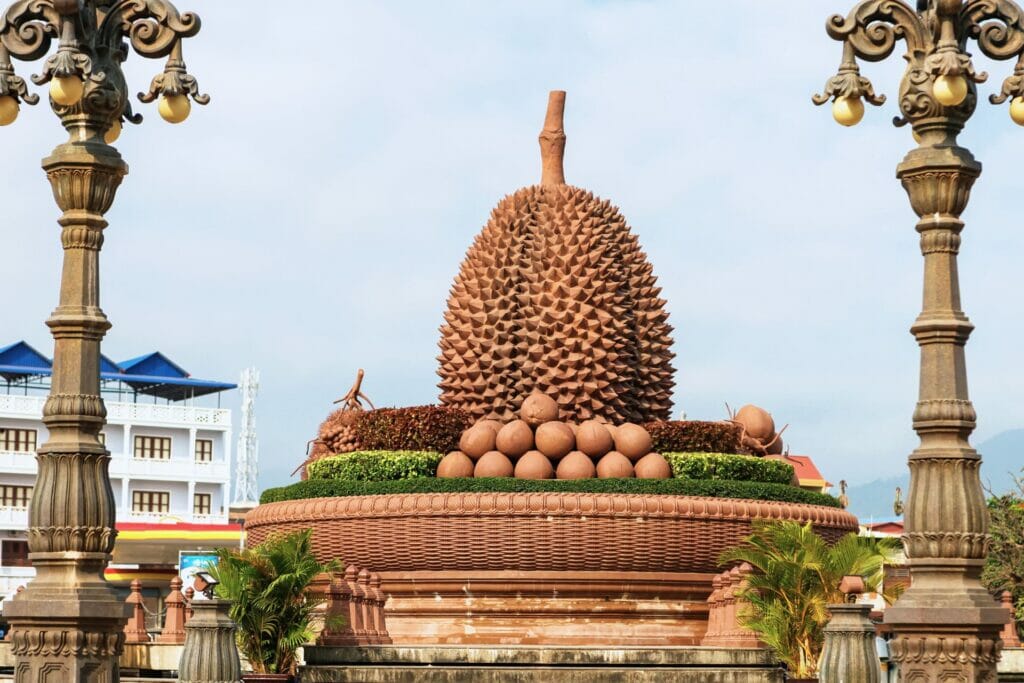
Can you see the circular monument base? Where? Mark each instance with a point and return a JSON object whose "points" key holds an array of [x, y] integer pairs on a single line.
{"points": [[538, 568]]}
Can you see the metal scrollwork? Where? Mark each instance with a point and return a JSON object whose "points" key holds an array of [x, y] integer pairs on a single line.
{"points": [[936, 33], [95, 38]]}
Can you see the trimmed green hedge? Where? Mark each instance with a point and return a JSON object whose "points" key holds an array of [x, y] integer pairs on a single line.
{"points": [[324, 488], [723, 466], [376, 465]]}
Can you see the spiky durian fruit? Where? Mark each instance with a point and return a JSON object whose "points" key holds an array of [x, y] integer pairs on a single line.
{"points": [[555, 295]]}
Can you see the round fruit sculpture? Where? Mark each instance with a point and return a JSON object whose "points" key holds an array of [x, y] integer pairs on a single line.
{"points": [[515, 438], [455, 465], [576, 465], [555, 439], [615, 466], [632, 441], [538, 409], [593, 439], [493, 464], [652, 466], [534, 465], [556, 295], [477, 440]]}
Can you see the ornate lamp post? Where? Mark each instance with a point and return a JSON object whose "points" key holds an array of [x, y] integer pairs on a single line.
{"points": [[946, 625], [67, 625]]}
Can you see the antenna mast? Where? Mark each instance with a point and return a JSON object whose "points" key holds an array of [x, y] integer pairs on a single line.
{"points": [[246, 491]]}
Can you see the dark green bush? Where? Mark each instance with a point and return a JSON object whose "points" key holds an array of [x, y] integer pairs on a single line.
{"points": [[376, 465], [422, 428], [324, 488], [692, 436], [723, 466]]}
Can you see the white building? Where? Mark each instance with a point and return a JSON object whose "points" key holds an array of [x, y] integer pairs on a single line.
{"points": [[170, 465]]}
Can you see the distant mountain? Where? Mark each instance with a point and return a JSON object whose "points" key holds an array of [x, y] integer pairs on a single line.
{"points": [[1001, 455]]}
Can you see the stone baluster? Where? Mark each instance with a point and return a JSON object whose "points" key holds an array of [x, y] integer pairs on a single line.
{"points": [[338, 622], [849, 654], [730, 582], [368, 607], [1009, 635], [135, 630], [380, 622], [355, 604], [714, 631], [190, 594], [210, 654], [174, 620]]}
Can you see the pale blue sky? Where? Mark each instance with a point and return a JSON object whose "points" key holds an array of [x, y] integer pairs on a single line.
{"points": [[311, 219]]}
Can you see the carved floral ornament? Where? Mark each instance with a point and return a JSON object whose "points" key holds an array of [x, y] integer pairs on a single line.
{"points": [[87, 86], [939, 84]]}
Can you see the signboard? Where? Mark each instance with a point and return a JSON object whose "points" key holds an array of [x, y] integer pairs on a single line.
{"points": [[190, 562]]}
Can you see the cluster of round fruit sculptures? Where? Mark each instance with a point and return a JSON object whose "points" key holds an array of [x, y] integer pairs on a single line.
{"points": [[538, 446]]}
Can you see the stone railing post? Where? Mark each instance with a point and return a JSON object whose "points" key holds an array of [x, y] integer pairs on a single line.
{"points": [[380, 622], [714, 612], [725, 608], [135, 630], [337, 630], [368, 607], [849, 655], [355, 609], [1009, 635], [190, 595], [174, 620]]}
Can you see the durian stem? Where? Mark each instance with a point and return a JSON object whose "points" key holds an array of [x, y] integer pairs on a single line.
{"points": [[552, 141]]}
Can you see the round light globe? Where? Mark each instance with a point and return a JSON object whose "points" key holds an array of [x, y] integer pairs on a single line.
{"points": [[175, 108], [1017, 110], [113, 133], [8, 110], [848, 111], [950, 90], [67, 90]]}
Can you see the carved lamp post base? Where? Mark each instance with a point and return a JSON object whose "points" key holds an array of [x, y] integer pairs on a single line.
{"points": [[69, 622]]}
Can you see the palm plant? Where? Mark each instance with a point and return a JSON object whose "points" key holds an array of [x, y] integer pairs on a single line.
{"points": [[796, 578], [272, 601]]}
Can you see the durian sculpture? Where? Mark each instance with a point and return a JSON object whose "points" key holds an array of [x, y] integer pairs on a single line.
{"points": [[556, 296]]}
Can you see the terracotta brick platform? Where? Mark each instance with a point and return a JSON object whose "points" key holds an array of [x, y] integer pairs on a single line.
{"points": [[556, 569]]}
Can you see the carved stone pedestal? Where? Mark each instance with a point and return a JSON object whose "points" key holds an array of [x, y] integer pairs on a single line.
{"points": [[210, 654]]}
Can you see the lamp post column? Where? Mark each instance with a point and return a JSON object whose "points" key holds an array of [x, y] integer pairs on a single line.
{"points": [[68, 623], [946, 620]]}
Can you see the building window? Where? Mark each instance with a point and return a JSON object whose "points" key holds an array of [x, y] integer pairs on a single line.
{"points": [[153, 447], [204, 450], [151, 501], [18, 440], [201, 504], [14, 554], [15, 496]]}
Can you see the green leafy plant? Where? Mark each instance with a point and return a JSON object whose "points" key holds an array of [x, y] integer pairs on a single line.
{"points": [[376, 465], [326, 488], [421, 428], [729, 467], [796, 578], [1004, 568], [272, 601], [692, 436]]}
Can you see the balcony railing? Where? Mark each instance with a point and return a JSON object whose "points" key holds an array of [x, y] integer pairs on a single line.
{"points": [[17, 462], [14, 517], [175, 468], [135, 413]]}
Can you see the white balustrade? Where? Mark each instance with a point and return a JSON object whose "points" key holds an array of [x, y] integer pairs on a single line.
{"points": [[120, 412]]}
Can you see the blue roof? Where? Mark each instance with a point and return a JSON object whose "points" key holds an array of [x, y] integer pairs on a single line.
{"points": [[153, 374], [21, 360]]}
